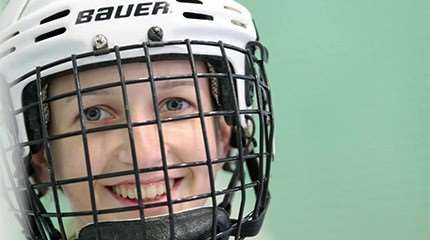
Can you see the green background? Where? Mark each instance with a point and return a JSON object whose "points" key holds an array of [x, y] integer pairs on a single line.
{"points": [[350, 82]]}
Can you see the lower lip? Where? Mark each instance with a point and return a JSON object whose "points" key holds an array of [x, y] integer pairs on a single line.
{"points": [[159, 199]]}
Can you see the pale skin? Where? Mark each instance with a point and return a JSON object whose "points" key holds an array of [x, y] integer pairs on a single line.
{"points": [[110, 151]]}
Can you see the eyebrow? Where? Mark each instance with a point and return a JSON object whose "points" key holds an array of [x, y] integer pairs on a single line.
{"points": [[167, 84], [175, 83], [91, 93]]}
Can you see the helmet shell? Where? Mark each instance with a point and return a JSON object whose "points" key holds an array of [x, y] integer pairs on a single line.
{"points": [[44, 31]]}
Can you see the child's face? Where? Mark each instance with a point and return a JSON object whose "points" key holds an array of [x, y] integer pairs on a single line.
{"points": [[110, 151]]}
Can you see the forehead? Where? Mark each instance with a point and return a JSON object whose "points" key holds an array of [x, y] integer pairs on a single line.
{"points": [[131, 71]]}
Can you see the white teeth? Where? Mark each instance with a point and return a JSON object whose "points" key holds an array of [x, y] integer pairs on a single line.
{"points": [[161, 191], [132, 194], [149, 191], [124, 192], [135, 192]]}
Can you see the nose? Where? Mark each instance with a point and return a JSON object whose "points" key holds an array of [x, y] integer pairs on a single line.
{"points": [[145, 140], [143, 145], [147, 146]]}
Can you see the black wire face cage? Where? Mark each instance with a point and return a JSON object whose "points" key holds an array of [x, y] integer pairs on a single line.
{"points": [[247, 165]]}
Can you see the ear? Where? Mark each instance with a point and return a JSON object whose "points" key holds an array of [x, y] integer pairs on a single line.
{"points": [[40, 166], [225, 135]]}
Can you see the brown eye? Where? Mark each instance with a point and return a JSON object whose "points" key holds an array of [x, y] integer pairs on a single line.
{"points": [[96, 114]]}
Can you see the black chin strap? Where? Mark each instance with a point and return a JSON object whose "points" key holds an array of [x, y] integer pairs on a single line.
{"points": [[45, 224], [189, 225]]}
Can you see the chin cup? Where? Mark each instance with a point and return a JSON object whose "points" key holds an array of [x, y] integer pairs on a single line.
{"points": [[195, 224]]}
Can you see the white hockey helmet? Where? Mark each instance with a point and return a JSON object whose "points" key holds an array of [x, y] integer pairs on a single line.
{"points": [[45, 38]]}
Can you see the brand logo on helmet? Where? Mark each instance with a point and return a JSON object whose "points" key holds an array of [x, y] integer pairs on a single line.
{"points": [[136, 10]]}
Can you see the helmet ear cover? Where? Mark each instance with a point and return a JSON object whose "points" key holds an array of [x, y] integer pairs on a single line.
{"points": [[32, 119], [221, 93]]}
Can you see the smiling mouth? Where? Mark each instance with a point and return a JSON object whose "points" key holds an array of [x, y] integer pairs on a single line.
{"points": [[151, 192]]}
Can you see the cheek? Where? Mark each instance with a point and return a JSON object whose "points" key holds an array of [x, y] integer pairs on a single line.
{"points": [[69, 162], [185, 145], [105, 151], [68, 158], [185, 140], [79, 196]]}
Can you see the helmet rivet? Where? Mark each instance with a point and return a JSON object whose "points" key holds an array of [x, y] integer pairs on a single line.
{"points": [[155, 34], [100, 42]]}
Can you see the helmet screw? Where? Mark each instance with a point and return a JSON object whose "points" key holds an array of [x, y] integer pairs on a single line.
{"points": [[100, 42], [155, 34]]}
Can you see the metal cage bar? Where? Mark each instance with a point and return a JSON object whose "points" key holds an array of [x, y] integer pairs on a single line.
{"points": [[161, 139], [142, 170], [47, 147], [269, 134], [205, 138], [261, 135], [239, 136], [85, 144], [137, 124], [131, 137]]}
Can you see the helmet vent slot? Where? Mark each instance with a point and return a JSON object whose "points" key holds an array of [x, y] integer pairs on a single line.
{"points": [[50, 34], [56, 16], [7, 52], [190, 1], [9, 37], [198, 16], [232, 9], [239, 23]]}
